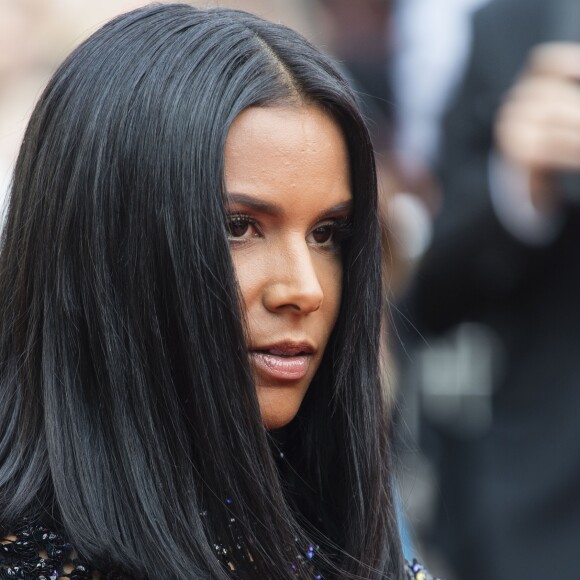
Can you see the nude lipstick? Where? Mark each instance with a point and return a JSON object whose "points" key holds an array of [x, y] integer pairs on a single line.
{"points": [[283, 361]]}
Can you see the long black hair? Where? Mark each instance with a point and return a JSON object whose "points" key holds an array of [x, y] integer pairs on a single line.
{"points": [[128, 415]]}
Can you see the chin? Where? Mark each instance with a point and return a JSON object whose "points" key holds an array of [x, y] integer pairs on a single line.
{"points": [[276, 421], [277, 407]]}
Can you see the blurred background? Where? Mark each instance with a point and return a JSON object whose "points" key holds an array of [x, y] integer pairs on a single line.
{"points": [[475, 117]]}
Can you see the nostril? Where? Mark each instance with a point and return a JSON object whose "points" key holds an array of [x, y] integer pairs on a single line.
{"points": [[294, 295]]}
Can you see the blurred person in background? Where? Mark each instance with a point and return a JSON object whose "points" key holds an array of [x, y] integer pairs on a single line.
{"points": [[430, 47], [502, 397], [432, 43]]}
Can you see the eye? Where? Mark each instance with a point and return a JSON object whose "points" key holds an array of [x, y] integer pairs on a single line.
{"points": [[240, 227], [331, 233], [323, 234]]}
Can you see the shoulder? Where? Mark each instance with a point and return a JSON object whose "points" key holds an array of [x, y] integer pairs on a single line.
{"points": [[415, 571], [33, 551]]}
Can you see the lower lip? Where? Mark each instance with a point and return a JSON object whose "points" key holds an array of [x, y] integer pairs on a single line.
{"points": [[285, 368]]}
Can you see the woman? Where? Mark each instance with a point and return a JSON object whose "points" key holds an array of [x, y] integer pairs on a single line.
{"points": [[189, 328]]}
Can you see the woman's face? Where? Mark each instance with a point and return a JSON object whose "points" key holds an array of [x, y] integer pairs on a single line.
{"points": [[289, 203]]}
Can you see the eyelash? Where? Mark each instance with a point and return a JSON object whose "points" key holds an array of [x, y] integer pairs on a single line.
{"points": [[341, 230], [240, 219]]}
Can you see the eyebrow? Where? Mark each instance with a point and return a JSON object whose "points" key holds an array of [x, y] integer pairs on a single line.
{"points": [[274, 210], [255, 204]]}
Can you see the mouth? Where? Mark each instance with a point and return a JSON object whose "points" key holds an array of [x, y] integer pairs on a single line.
{"points": [[287, 361]]}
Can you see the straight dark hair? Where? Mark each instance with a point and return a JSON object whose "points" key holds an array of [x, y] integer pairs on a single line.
{"points": [[128, 415]]}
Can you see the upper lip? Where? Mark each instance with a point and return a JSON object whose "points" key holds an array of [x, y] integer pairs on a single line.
{"points": [[287, 348]]}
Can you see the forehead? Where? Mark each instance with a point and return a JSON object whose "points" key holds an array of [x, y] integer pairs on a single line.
{"points": [[293, 154]]}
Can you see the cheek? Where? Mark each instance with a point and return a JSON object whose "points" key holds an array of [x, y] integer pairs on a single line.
{"points": [[249, 273], [330, 278]]}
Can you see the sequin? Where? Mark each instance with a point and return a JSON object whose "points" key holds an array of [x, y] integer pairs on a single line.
{"points": [[34, 552], [416, 571]]}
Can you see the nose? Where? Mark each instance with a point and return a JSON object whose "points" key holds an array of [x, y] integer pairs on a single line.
{"points": [[294, 283]]}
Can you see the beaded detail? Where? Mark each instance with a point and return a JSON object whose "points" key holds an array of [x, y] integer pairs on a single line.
{"points": [[34, 552], [416, 571]]}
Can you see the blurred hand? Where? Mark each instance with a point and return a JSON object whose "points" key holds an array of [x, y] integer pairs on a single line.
{"points": [[538, 126]]}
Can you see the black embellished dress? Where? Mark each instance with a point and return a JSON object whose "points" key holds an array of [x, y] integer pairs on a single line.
{"points": [[34, 552]]}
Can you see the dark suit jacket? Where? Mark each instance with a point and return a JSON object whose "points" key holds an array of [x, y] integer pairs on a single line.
{"points": [[512, 496]]}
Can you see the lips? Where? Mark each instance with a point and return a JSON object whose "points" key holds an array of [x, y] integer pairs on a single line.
{"points": [[287, 361]]}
